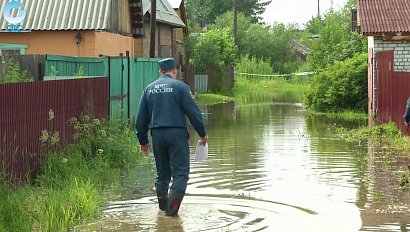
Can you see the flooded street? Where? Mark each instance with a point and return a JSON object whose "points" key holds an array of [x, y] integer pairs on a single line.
{"points": [[271, 168]]}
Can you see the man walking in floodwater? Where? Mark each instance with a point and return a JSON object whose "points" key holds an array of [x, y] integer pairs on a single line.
{"points": [[163, 106]]}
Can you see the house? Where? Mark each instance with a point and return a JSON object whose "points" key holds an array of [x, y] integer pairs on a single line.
{"points": [[180, 34], [386, 23], [90, 28], [167, 21], [71, 27]]}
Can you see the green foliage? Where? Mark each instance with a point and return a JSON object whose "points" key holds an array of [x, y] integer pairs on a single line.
{"points": [[14, 73], [263, 42], [334, 42], [253, 65], [342, 86], [405, 180], [264, 89], [387, 136], [215, 49], [202, 13], [225, 22]]}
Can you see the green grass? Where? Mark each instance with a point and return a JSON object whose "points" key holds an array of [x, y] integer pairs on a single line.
{"points": [[212, 98], [262, 89], [267, 85], [346, 115], [75, 182], [385, 136]]}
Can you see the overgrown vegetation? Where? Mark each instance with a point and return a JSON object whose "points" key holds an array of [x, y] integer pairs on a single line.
{"points": [[14, 73], [341, 86], [254, 65], [74, 182], [387, 139], [386, 136], [214, 49]]}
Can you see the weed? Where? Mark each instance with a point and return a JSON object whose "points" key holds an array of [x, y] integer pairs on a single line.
{"points": [[75, 181]]}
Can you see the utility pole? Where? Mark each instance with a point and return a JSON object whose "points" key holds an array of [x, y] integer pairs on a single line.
{"points": [[235, 22], [153, 28], [318, 8]]}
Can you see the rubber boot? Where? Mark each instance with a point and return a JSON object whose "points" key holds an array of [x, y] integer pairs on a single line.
{"points": [[162, 199], [174, 201]]}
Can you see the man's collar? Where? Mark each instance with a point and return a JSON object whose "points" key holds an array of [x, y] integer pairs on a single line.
{"points": [[166, 75]]}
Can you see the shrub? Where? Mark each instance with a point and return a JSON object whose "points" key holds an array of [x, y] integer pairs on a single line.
{"points": [[14, 73], [215, 49], [341, 86]]}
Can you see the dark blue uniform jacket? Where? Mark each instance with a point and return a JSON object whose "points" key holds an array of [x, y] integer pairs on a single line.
{"points": [[164, 104]]}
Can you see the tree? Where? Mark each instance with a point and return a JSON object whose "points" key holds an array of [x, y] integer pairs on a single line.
{"points": [[213, 49], [331, 39], [225, 22], [261, 41], [205, 12]]}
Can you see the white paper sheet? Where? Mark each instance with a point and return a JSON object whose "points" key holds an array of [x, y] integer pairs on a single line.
{"points": [[201, 152]]}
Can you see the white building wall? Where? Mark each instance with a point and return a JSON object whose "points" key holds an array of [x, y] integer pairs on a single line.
{"points": [[401, 53]]}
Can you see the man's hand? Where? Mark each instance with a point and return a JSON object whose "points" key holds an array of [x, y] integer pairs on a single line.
{"points": [[145, 149], [204, 140], [406, 123]]}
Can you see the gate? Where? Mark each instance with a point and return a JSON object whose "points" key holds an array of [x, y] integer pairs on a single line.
{"points": [[384, 85], [119, 80], [392, 91]]}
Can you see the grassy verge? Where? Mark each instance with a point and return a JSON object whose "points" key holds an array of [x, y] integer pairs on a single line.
{"points": [[386, 136], [212, 99], [257, 84], [346, 115], [387, 139], [74, 182], [262, 89]]}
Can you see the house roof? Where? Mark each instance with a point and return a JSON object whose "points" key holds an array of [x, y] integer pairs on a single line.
{"points": [[175, 3], [62, 15], [79, 14], [384, 16], [165, 13]]}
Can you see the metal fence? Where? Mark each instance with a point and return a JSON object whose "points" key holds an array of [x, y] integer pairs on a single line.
{"points": [[392, 91], [26, 109], [201, 83]]}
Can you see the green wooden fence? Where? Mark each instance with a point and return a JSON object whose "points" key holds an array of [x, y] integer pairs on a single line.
{"points": [[75, 66], [143, 72], [128, 77]]}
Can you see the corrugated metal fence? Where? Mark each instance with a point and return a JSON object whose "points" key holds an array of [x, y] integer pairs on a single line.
{"points": [[201, 83], [24, 113], [393, 89]]}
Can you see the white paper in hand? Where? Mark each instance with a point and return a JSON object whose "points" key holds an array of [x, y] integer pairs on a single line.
{"points": [[201, 152]]}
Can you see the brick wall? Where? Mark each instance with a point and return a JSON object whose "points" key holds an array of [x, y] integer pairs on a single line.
{"points": [[401, 52]]}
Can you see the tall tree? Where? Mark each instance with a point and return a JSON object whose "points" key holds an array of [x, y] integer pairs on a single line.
{"points": [[204, 12]]}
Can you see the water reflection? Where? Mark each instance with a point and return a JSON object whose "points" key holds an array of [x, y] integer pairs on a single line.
{"points": [[270, 168]]}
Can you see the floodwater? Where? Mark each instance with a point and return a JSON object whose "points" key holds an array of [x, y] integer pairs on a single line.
{"points": [[271, 168]]}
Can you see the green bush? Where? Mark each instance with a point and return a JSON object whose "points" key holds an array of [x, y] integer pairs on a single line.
{"points": [[341, 86], [14, 73], [214, 49]]}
